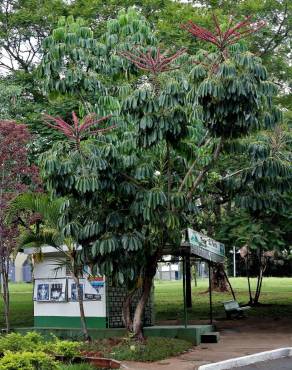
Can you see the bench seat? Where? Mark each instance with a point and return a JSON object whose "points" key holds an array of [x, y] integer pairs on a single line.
{"points": [[232, 307]]}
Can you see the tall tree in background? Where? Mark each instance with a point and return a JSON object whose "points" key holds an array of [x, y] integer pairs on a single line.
{"points": [[16, 176], [260, 198], [23, 27]]}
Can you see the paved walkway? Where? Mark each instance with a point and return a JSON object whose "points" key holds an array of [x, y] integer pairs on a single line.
{"points": [[238, 338]]}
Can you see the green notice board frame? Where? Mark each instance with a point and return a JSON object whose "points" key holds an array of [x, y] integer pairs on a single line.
{"points": [[205, 247]]}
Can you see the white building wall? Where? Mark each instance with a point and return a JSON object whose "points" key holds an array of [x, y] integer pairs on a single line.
{"points": [[46, 270], [50, 268]]}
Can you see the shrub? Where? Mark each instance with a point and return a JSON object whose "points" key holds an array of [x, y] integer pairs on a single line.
{"points": [[15, 342], [33, 341], [27, 361], [64, 348]]}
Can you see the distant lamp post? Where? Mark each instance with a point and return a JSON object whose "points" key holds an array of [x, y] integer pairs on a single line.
{"points": [[233, 251]]}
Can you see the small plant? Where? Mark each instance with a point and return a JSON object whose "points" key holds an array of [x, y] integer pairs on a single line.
{"points": [[27, 361], [16, 342], [33, 341], [65, 348]]}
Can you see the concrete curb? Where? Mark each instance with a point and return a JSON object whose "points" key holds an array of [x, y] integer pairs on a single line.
{"points": [[248, 360]]}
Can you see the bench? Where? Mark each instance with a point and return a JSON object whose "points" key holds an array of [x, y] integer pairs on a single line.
{"points": [[233, 308]]}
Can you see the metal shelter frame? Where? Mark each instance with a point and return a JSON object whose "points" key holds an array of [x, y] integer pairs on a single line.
{"points": [[187, 250]]}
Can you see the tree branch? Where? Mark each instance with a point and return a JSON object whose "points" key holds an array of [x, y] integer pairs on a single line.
{"points": [[133, 180], [192, 167], [203, 172], [266, 49]]}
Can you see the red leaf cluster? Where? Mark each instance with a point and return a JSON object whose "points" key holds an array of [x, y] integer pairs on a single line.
{"points": [[79, 129], [152, 62], [220, 38], [16, 176]]}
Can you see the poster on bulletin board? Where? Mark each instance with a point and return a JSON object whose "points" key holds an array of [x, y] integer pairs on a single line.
{"points": [[98, 284], [95, 289], [58, 292], [73, 296], [50, 290], [89, 293], [64, 290], [43, 292]]}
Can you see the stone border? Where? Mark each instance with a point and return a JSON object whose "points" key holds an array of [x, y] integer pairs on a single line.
{"points": [[248, 360]]}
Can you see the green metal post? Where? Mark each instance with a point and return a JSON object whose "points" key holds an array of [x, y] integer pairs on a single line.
{"points": [[184, 293], [210, 294]]}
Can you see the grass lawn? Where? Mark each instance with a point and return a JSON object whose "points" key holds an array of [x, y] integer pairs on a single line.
{"points": [[21, 305], [276, 294]]}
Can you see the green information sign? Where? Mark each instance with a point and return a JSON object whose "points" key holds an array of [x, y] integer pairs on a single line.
{"points": [[205, 247]]}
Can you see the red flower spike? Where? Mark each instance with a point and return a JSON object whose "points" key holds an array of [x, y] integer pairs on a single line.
{"points": [[90, 121], [223, 39], [78, 130], [152, 63]]}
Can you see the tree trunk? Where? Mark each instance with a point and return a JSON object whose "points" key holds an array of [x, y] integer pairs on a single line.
{"points": [[255, 299], [81, 308], [126, 310], [259, 252], [219, 282], [149, 274], [259, 285], [230, 286], [257, 292], [138, 316], [7, 303], [248, 278], [5, 291]]}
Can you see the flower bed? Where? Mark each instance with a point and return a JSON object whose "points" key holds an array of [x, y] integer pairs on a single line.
{"points": [[33, 351]]}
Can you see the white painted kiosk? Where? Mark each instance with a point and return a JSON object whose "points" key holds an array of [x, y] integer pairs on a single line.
{"points": [[55, 294]]}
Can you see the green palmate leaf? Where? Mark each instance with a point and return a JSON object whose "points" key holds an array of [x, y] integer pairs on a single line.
{"points": [[172, 221], [198, 73], [131, 243], [156, 198], [91, 229], [85, 184], [144, 172], [178, 200], [105, 246]]}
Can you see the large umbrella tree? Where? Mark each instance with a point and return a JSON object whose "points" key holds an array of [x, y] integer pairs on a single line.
{"points": [[137, 185]]}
